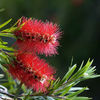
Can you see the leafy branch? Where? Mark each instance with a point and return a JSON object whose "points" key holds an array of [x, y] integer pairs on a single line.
{"points": [[59, 89], [64, 89]]}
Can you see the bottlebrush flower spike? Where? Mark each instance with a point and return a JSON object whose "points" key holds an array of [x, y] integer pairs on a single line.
{"points": [[38, 36], [35, 73]]}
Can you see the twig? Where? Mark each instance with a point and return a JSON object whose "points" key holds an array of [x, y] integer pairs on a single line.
{"points": [[13, 96], [5, 93], [9, 95]]}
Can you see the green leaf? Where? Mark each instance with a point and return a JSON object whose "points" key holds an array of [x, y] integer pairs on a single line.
{"points": [[1, 42], [9, 30], [2, 88], [6, 48], [81, 71], [10, 83], [1, 75], [28, 92], [76, 88], [92, 76], [12, 29], [20, 26], [4, 24], [81, 65], [77, 93], [50, 98], [7, 35], [56, 84], [80, 98], [24, 88], [68, 74], [3, 55], [66, 90], [3, 58], [56, 81], [17, 22]]}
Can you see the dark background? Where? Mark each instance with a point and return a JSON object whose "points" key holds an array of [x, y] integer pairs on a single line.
{"points": [[79, 21]]}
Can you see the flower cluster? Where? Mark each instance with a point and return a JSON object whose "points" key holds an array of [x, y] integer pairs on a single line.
{"points": [[33, 72], [38, 36], [34, 37]]}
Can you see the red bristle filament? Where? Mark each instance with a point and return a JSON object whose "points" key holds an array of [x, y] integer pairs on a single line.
{"points": [[32, 71], [34, 37], [40, 37]]}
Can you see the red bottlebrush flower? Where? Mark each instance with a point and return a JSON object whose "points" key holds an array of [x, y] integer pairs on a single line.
{"points": [[40, 37], [33, 72]]}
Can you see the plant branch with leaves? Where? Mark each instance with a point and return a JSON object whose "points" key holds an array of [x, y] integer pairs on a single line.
{"points": [[28, 77]]}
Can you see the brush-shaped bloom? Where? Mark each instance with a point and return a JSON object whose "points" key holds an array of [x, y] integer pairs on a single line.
{"points": [[38, 36], [34, 72]]}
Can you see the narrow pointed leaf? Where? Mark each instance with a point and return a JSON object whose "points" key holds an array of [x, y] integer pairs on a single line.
{"points": [[66, 90], [81, 98], [76, 93], [7, 35], [10, 30], [4, 24], [6, 48], [1, 42], [1, 76], [69, 73], [80, 73], [76, 88]]}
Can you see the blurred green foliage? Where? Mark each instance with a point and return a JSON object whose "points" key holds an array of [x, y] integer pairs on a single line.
{"points": [[79, 21]]}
